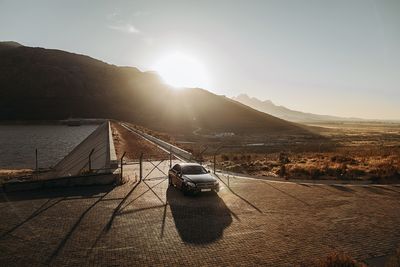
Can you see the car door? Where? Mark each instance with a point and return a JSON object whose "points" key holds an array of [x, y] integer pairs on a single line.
{"points": [[178, 178], [174, 174]]}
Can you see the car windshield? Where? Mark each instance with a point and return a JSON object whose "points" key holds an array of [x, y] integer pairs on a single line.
{"points": [[193, 170]]}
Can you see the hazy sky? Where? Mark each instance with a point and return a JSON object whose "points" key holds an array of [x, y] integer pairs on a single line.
{"points": [[327, 57]]}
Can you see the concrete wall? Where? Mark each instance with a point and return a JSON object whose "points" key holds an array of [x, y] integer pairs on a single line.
{"points": [[103, 158], [69, 171]]}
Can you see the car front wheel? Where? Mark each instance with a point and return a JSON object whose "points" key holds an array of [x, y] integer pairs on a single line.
{"points": [[185, 190]]}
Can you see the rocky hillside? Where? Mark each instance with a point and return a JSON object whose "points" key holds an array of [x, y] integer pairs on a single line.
{"points": [[38, 84]]}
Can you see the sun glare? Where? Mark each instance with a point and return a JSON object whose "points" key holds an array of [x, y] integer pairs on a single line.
{"points": [[181, 70]]}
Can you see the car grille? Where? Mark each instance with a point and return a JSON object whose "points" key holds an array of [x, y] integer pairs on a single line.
{"points": [[205, 185]]}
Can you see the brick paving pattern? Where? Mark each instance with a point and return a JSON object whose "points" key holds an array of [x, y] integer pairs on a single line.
{"points": [[254, 222]]}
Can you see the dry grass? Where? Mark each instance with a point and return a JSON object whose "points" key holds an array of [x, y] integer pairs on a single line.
{"points": [[346, 164], [6, 175], [335, 260], [133, 145], [394, 260]]}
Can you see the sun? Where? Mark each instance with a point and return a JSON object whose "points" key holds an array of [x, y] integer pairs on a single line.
{"points": [[182, 70]]}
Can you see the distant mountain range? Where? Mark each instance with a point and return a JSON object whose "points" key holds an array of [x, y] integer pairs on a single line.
{"points": [[287, 114], [46, 84]]}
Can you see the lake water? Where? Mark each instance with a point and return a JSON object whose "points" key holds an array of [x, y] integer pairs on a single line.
{"points": [[18, 144]]}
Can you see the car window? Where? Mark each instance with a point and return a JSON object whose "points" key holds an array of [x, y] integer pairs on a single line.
{"points": [[193, 170], [177, 167]]}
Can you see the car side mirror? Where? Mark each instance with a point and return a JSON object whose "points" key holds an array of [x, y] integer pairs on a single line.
{"points": [[208, 171], [180, 174]]}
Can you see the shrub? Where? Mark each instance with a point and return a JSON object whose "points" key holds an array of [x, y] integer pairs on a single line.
{"points": [[225, 157], [394, 260], [297, 170], [283, 158], [335, 260], [282, 171], [385, 170], [339, 260], [315, 173], [343, 159]]}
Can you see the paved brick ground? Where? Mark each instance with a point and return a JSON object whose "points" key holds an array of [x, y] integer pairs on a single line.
{"points": [[254, 222]]}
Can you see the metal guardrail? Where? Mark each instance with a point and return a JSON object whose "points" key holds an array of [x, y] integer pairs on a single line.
{"points": [[167, 147]]}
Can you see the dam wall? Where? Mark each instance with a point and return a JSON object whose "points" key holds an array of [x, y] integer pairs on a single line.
{"points": [[95, 154]]}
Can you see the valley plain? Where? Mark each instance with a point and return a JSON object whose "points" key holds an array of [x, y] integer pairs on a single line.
{"points": [[342, 150]]}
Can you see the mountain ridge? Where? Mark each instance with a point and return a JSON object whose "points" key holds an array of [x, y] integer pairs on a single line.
{"points": [[285, 113], [45, 84]]}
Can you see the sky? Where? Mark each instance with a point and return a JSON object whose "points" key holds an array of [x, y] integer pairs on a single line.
{"points": [[328, 57]]}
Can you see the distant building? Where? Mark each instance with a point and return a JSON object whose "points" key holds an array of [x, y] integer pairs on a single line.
{"points": [[225, 134]]}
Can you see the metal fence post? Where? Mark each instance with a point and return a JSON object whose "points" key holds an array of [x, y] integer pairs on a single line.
{"points": [[122, 163], [141, 166], [170, 157], [36, 161], [90, 160], [215, 155], [201, 155], [214, 162]]}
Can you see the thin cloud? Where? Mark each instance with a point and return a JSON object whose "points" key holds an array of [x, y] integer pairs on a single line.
{"points": [[126, 28]]}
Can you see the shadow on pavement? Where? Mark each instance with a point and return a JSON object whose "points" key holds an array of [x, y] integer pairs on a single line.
{"points": [[388, 189], [55, 196], [373, 189], [239, 196], [199, 219], [342, 188], [36, 213], [64, 192], [63, 242], [286, 193]]}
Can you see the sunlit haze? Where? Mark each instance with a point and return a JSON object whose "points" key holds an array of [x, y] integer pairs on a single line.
{"points": [[326, 57], [181, 70]]}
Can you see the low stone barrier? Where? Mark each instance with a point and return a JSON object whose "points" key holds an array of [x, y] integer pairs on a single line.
{"points": [[94, 179]]}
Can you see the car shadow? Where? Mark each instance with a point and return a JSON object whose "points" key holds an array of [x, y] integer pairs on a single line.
{"points": [[199, 219]]}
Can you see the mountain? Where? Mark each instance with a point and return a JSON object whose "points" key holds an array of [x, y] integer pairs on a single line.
{"points": [[47, 84], [286, 114]]}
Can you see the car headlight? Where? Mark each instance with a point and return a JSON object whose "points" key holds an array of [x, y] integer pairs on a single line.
{"points": [[216, 182], [191, 184]]}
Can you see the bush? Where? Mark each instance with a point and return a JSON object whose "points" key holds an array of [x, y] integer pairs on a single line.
{"points": [[315, 173], [343, 159], [282, 171], [335, 260], [394, 260], [225, 157], [283, 158], [297, 170], [385, 170]]}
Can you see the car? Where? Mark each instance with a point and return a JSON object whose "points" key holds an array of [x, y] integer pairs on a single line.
{"points": [[192, 178]]}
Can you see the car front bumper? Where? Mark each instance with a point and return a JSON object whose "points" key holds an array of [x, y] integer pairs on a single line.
{"points": [[204, 187]]}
